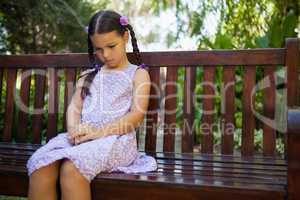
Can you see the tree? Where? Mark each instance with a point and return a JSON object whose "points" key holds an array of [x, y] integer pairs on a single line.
{"points": [[241, 23], [41, 26]]}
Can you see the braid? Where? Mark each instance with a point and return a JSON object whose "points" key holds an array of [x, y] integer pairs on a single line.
{"points": [[91, 51], [135, 47], [90, 75]]}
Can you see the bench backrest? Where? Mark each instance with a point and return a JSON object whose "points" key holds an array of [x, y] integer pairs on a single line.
{"points": [[48, 83]]}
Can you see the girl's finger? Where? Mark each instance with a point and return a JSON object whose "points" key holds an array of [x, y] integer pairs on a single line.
{"points": [[79, 134], [84, 138], [76, 141]]}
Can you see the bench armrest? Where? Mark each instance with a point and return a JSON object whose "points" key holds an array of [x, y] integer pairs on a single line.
{"points": [[293, 154]]}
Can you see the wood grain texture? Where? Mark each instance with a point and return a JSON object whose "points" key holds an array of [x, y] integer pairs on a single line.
{"points": [[52, 103], [170, 110], [228, 110], [9, 105], [157, 59], [209, 92], [40, 78], [248, 101], [269, 103], [188, 131], [23, 105], [153, 108], [293, 153]]}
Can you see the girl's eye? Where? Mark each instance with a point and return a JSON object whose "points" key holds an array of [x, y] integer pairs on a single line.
{"points": [[112, 46]]}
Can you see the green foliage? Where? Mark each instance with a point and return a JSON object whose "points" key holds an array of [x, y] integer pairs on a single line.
{"points": [[242, 24], [42, 26], [279, 29]]}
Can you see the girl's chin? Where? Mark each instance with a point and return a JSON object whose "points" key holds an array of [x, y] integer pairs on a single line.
{"points": [[110, 64]]}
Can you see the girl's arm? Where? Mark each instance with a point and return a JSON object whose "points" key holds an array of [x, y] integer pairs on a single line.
{"points": [[75, 107], [130, 121]]}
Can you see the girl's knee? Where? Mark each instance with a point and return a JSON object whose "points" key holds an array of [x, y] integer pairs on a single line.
{"points": [[50, 170], [69, 174], [44, 176]]}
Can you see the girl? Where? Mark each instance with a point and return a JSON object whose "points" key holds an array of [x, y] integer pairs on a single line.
{"points": [[109, 102]]}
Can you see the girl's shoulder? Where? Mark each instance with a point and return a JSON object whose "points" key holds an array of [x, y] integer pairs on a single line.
{"points": [[140, 73], [138, 68]]}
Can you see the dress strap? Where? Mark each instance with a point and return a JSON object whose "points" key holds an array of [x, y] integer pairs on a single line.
{"points": [[132, 71]]}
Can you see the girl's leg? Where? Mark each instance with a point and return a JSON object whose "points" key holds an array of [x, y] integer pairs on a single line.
{"points": [[42, 182], [73, 185]]}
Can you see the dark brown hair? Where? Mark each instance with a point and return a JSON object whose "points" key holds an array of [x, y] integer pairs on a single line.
{"points": [[105, 21]]}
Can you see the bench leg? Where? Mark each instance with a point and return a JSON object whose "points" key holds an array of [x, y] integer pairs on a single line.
{"points": [[293, 154]]}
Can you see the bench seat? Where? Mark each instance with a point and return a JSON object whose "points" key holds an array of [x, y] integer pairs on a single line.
{"points": [[204, 175]]}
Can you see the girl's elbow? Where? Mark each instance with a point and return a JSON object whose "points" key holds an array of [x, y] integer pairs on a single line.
{"points": [[139, 118]]}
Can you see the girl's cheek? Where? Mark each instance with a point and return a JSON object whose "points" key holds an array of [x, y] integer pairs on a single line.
{"points": [[99, 55]]}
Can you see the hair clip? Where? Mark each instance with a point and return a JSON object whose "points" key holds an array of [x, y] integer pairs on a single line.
{"points": [[97, 67], [142, 65], [124, 21]]}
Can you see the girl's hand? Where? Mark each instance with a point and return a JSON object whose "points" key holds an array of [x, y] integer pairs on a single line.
{"points": [[72, 131], [83, 132]]}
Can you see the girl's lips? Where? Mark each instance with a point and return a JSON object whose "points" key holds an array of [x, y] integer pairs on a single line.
{"points": [[109, 62]]}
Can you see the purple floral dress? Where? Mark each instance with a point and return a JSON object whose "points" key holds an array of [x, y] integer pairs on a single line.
{"points": [[110, 99]]}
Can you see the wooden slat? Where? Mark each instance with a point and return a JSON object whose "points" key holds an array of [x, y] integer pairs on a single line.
{"points": [[293, 132], [271, 169], [193, 177], [274, 161], [292, 64], [186, 169], [157, 59], [208, 109], [243, 176], [52, 104], [248, 101], [162, 187], [14, 184], [170, 110], [70, 75], [9, 107], [252, 162], [37, 118], [24, 105], [137, 134], [185, 165], [152, 113], [188, 132], [228, 110], [183, 172], [1, 80], [19, 158], [269, 97], [1, 92], [28, 149]]}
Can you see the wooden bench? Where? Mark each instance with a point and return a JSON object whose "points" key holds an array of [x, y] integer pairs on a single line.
{"points": [[185, 170]]}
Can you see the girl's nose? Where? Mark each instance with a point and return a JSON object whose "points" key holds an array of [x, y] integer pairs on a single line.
{"points": [[105, 54]]}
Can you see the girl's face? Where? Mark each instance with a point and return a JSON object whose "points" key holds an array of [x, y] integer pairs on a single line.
{"points": [[110, 48]]}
